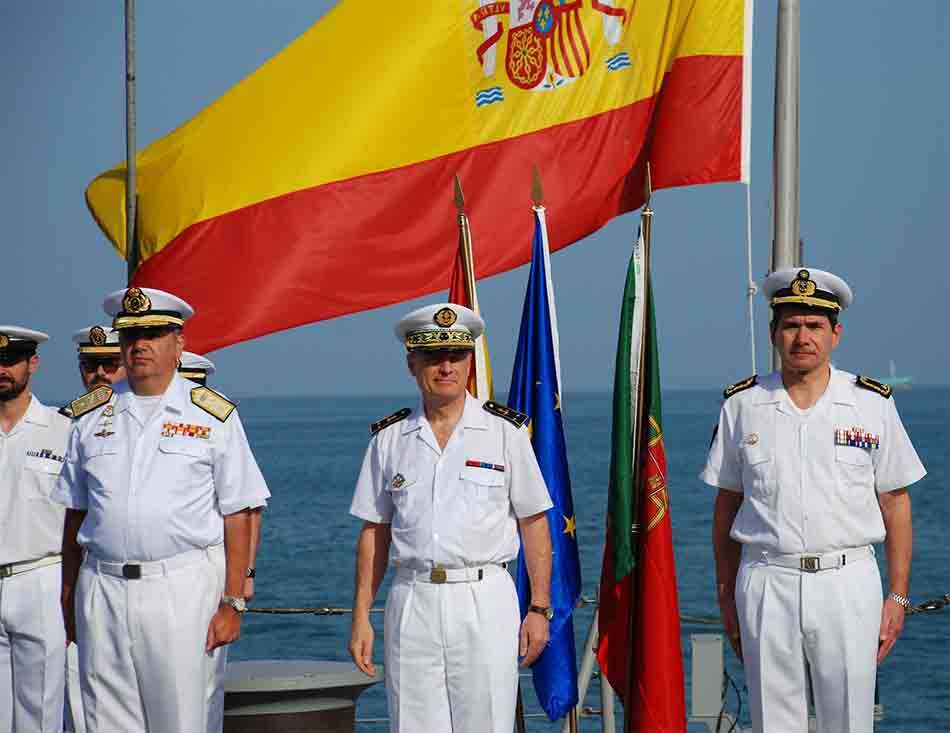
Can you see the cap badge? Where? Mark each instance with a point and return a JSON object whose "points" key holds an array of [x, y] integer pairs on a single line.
{"points": [[398, 481], [803, 285], [4, 341], [445, 317], [97, 335], [135, 301]]}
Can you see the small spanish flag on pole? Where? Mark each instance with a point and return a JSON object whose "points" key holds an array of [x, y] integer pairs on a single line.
{"points": [[462, 292]]}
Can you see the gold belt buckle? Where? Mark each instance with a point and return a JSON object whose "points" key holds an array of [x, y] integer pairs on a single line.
{"points": [[438, 575], [810, 564]]}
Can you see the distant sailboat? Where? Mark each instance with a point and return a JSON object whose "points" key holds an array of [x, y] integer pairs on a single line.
{"points": [[895, 381]]}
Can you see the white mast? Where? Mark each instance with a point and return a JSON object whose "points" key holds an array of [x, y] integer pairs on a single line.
{"points": [[786, 246], [131, 245]]}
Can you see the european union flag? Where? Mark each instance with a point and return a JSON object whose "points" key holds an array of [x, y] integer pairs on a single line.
{"points": [[536, 390]]}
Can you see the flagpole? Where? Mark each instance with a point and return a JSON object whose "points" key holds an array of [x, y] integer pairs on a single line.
{"points": [[646, 227], [131, 243], [465, 245]]}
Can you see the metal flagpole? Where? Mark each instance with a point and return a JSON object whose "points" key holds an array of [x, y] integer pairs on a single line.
{"points": [[646, 228], [131, 243], [785, 174]]}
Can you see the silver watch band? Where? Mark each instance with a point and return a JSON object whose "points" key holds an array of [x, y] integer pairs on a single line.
{"points": [[900, 600]]}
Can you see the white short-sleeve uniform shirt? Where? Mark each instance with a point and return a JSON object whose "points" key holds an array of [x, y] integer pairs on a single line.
{"points": [[810, 479], [456, 507], [31, 458], [158, 486]]}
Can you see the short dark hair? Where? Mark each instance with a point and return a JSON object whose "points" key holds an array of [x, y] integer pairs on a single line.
{"points": [[778, 311]]}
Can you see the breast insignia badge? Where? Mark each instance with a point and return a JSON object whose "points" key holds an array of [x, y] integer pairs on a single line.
{"points": [[398, 481]]}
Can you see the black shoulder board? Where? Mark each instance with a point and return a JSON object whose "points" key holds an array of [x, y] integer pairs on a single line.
{"points": [[506, 413], [214, 403], [397, 416], [90, 401], [875, 386], [740, 386]]}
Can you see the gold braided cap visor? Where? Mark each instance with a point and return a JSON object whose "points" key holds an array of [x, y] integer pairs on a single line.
{"points": [[436, 340], [145, 321], [111, 349], [809, 300]]}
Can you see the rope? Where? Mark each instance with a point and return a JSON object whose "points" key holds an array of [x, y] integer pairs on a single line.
{"points": [[934, 604], [751, 288]]}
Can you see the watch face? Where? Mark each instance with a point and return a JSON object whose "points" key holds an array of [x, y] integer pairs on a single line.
{"points": [[549, 613]]}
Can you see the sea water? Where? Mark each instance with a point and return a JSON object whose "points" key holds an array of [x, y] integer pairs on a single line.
{"points": [[310, 450]]}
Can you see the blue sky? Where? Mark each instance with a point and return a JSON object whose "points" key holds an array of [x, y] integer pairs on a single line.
{"points": [[875, 187]]}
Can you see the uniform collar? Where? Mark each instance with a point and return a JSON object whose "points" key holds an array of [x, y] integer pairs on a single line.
{"points": [[773, 390], [841, 388], [36, 413], [175, 398], [473, 416]]}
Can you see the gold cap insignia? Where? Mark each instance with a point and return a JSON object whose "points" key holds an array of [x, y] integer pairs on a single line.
{"points": [[97, 336], [4, 341], [135, 301], [803, 285], [445, 317]]}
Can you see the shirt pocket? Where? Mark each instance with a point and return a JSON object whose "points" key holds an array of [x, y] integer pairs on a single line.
{"points": [[485, 488], [40, 476], [185, 462], [758, 471], [855, 471], [399, 487]]}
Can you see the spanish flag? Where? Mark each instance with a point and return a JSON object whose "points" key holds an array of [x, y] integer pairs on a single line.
{"points": [[306, 191]]}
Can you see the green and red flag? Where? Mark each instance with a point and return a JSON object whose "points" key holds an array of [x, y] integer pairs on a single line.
{"points": [[639, 650]]}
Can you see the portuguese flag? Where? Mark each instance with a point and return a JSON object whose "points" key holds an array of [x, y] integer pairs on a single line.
{"points": [[638, 624], [321, 184]]}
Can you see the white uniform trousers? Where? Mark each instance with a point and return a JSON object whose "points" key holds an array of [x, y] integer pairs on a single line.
{"points": [[451, 654], [830, 620], [142, 663], [74, 720], [32, 651], [215, 683]]}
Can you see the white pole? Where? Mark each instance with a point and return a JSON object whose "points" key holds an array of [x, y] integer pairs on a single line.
{"points": [[586, 671], [131, 246]]}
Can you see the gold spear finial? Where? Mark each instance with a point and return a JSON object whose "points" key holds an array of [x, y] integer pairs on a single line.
{"points": [[459, 197], [537, 193], [647, 188]]}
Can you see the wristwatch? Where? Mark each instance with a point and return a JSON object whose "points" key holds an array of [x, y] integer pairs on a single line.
{"points": [[545, 611], [900, 600], [251, 573], [235, 602]]}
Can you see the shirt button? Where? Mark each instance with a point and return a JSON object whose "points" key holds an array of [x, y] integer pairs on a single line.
{"points": [[435, 535]]}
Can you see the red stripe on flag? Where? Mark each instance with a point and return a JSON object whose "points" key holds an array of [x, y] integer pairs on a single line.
{"points": [[379, 239]]}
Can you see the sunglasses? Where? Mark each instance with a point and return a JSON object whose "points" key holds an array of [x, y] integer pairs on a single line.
{"points": [[108, 365]]}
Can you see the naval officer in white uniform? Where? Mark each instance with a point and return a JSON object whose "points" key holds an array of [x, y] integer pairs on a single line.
{"points": [[100, 363], [159, 479], [32, 447], [812, 466], [442, 492]]}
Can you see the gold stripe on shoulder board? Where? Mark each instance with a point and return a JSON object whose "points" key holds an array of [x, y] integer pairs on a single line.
{"points": [[740, 386], [90, 401], [397, 416], [506, 413], [882, 389], [213, 403]]}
